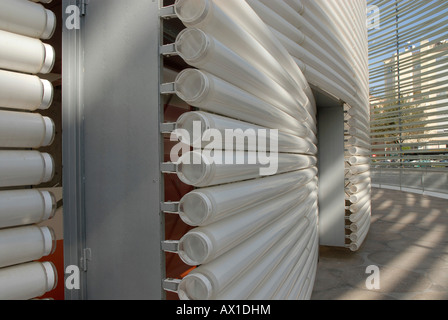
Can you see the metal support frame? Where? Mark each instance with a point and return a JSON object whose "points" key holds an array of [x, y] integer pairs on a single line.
{"points": [[113, 150]]}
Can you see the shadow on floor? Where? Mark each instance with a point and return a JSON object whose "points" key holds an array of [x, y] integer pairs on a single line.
{"points": [[408, 241]]}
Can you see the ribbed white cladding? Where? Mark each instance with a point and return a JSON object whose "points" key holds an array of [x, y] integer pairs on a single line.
{"points": [[22, 56], [328, 40], [256, 237]]}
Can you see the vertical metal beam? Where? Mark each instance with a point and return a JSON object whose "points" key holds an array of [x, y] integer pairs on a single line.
{"points": [[119, 148], [331, 176], [73, 150]]}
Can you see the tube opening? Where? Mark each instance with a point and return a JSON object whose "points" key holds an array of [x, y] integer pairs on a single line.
{"points": [[186, 123], [194, 248], [192, 86], [192, 45], [194, 208], [191, 11], [193, 168], [52, 275], [195, 287]]}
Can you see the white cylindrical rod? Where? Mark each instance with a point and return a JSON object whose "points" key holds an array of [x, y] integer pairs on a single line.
{"points": [[27, 281], [27, 18], [295, 258], [24, 207], [359, 177], [210, 93], [356, 226], [206, 281], [356, 245], [356, 207], [25, 130], [25, 244], [359, 169], [207, 205], [356, 160], [22, 168], [246, 134], [366, 209], [240, 30], [358, 151], [200, 169], [24, 54], [356, 197], [204, 244], [249, 282], [361, 186], [24, 92], [203, 51]]}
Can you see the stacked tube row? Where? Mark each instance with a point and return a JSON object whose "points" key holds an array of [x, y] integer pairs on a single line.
{"points": [[357, 179], [23, 55], [255, 235], [328, 41]]}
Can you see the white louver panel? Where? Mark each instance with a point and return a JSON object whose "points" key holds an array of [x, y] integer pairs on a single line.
{"points": [[409, 94], [328, 41], [22, 56], [255, 232]]}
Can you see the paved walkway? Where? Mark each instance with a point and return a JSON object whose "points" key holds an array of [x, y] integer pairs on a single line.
{"points": [[408, 241]]}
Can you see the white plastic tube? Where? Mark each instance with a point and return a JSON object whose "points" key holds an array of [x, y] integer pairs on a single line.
{"points": [[25, 130], [366, 209], [27, 281], [24, 207], [22, 168], [275, 280], [294, 280], [237, 26], [206, 281], [356, 207], [361, 186], [356, 197], [24, 54], [361, 235], [359, 169], [358, 151], [25, 244], [357, 225], [203, 244], [24, 92], [355, 160], [208, 92], [251, 282], [206, 53], [27, 18], [207, 205], [246, 134], [201, 169]]}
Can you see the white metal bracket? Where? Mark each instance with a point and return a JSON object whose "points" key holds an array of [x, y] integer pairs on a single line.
{"points": [[167, 12], [170, 246], [171, 285]]}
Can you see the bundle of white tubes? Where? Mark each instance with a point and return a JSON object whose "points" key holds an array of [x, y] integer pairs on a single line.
{"points": [[23, 55], [328, 41], [248, 87]]}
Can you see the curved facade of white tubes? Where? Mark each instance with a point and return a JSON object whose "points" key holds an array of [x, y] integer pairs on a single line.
{"points": [[23, 168], [253, 65]]}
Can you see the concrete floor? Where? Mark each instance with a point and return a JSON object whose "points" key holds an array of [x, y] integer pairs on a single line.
{"points": [[408, 241]]}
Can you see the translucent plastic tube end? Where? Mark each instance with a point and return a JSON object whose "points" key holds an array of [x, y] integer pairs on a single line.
{"points": [[195, 286], [195, 208], [194, 169], [192, 86], [192, 12], [195, 248]]}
